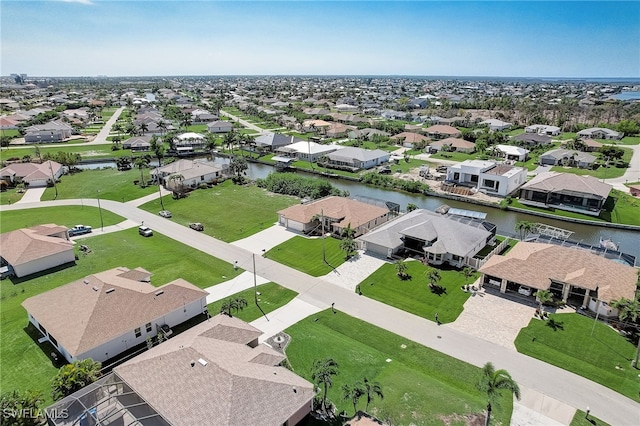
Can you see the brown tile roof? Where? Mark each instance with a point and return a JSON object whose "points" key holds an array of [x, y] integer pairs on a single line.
{"points": [[443, 129], [28, 244], [231, 389], [86, 316], [556, 182], [455, 142], [29, 170], [344, 210], [410, 137], [536, 265]]}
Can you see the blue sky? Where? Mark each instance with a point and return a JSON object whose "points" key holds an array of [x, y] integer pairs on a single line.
{"points": [[457, 38]]}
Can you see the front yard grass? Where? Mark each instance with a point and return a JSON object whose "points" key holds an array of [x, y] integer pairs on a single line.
{"points": [[272, 296], [580, 419], [420, 385], [305, 254], [68, 216], [25, 365], [601, 172], [113, 185], [571, 346], [413, 295], [91, 151], [228, 212], [10, 196]]}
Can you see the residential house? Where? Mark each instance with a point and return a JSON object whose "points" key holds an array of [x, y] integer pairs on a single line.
{"points": [[367, 133], [272, 141], [571, 274], [511, 152], [409, 139], [30, 250], [495, 125], [220, 126], [487, 176], [106, 313], [213, 373], [307, 151], [634, 190], [189, 142], [33, 174], [452, 144], [591, 145], [333, 214], [203, 116], [543, 129], [566, 191], [339, 130], [319, 126], [53, 131], [439, 239], [600, 133], [442, 131], [187, 173], [137, 143], [567, 157], [357, 158], [532, 139]]}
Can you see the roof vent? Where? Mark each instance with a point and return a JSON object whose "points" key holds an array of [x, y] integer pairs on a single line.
{"points": [[95, 288], [86, 281], [193, 363], [110, 290], [158, 293], [202, 362]]}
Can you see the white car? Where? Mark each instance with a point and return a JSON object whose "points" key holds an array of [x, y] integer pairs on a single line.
{"points": [[524, 290], [145, 231], [165, 213]]}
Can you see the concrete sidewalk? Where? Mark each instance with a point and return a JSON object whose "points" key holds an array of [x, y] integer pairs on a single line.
{"points": [[242, 282], [537, 409], [265, 240], [284, 317], [126, 224], [142, 200]]}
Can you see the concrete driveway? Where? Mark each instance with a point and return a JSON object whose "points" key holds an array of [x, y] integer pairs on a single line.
{"points": [[265, 240], [32, 195]]}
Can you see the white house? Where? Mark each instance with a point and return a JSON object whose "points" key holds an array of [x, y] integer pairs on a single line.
{"points": [[488, 176], [307, 151], [31, 250], [543, 129], [107, 313], [600, 133], [495, 124], [511, 152], [220, 126]]}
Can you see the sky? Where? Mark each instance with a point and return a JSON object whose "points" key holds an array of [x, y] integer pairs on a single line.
{"points": [[596, 39]]}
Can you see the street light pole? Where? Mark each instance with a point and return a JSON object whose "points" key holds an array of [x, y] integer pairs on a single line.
{"points": [[100, 210]]}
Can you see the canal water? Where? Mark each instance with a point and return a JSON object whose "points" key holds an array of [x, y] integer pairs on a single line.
{"points": [[629, 241]]}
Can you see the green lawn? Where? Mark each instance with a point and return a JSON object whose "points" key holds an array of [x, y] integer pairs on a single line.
{"points": [[24, 364], [404, 166], [626, 209], [272, 296], [420, 386], [627, 140], [573, 348], [456, 156], [305, 254], [91, 151], [14, 133], [228, 212], [10, 196], [580, 419], [197, 128], [65, 215], [413, 295], [487, 249], [113, 185]]}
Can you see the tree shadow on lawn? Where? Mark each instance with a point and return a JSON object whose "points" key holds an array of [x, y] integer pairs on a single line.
{"points": [[437, 289]]}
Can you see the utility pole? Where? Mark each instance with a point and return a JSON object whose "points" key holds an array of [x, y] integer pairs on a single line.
{"points": [[100, 210]]}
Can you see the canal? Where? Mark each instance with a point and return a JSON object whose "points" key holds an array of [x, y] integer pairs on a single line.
{"points": [[629, 241]]}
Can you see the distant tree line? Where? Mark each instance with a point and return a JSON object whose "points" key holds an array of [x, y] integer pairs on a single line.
{"points": [[299, 186]]}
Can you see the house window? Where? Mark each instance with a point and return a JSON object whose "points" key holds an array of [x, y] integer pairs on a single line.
{"points": [[474, 178], [201, 178], [138, 332], [148, 327], [54, 341]]}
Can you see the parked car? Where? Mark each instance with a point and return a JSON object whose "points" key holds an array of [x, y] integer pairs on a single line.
{"points": [[524, 290], [79, 230], [165, 213], [166, 330], [145, 231], [196, 226]]}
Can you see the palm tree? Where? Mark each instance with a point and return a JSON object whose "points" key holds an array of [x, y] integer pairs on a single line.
{"points": [[433, 276], [240, 303], [157, 147], [143, 128], [628, 309], [75, 376], [162, 126], [492, 382], [352, 393], [468, 273], [349, 246], [371, 390], [543, 296], [227, 306], [176, 177], [322, 374], [140, 163], [401, 268], [185, 120], [229, 140], [524, 227]]}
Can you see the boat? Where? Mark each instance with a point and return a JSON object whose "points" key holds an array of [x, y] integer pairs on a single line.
{"points": [[608, 244]]}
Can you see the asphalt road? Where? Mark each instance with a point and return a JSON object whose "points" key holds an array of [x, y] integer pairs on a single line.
{"points": [[554, 382]]}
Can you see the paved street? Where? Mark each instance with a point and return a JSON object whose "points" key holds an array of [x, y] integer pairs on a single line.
{"points": [[550, 381]]}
